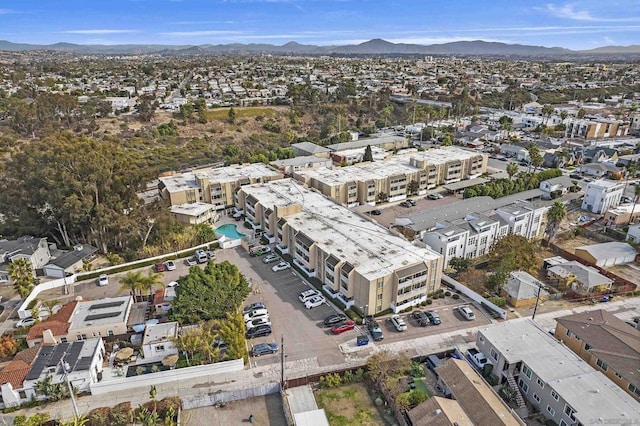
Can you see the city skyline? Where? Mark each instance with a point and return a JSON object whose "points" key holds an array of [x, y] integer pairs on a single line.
{"points": [[583, 25]]}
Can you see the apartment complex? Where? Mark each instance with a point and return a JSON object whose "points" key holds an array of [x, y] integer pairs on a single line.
{"points": [[358, 261], [216, 186], [558, 383], [601, 195], [474, 234], [593, 129], [396, 177], [607, 343]]}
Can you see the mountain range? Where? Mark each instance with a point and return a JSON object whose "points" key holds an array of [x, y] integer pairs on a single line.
{"points": [[371, 47]]}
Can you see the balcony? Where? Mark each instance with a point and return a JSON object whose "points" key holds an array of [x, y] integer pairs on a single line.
{"points": [[310, 273], [401, 305], [348, 301], [281, 249]]}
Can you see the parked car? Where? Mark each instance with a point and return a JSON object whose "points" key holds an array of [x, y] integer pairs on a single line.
{"points": [[210, 254], [270, 258], [103, 280], [374, 329], [434, 318], [253, 307], [258, 321], [264, 349], [477, 357], [26, 322], [398, 322], [575, 176], [421, 318], [405, 204], [255, 314], [334, 319], [191, 261], [307, 294], [259, 331], [411, 202], [314, 302], [173, 284], [259, 251], [170, 265], [375, 212], [201, 256], [341, 328], [159, 267], [435, 196], [281, 266], [466, 312]]}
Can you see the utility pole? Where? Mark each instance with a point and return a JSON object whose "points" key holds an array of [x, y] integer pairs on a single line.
{"points": [[282, 362], [535, 308], [65, 369]]}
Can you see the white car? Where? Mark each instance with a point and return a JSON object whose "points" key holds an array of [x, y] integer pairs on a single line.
{"points": [[103, 280], [26, 322], [307, 294], [314, 302], [281, 266], [172, 284], [466, 312], [257, 322], [170, 265], [255, 314], [398, 322], [435, 196]]}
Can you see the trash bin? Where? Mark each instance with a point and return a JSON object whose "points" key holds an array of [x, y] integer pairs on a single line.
{"points": [[362, 340]]}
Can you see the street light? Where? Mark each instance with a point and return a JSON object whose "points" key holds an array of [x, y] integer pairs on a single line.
{"points": [[66, 369]]}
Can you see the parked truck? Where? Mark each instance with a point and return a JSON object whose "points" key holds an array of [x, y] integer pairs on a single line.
{"points": [[477, 358]]}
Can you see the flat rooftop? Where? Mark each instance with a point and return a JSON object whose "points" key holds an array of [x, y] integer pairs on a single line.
{"points": [[154, 333], [188, 180], [588, 391], [111, 310], [370, 248], [605, 183], [193, 209]]}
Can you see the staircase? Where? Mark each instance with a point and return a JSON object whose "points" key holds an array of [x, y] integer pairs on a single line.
{"points": [[514, 385]]}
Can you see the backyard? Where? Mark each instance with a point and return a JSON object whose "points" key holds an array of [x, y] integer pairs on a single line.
{"points": [[349, 405]]}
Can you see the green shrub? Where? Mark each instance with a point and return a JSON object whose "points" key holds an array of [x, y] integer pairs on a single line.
{"points": [[329, 381], [455, 296], [385, 312], [429, 301], [498, 301], [447, 293]]}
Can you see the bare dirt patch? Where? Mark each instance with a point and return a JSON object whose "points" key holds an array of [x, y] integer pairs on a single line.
{"points": [[349, 405]]}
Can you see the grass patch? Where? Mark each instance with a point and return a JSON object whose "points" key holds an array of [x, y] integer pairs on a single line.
{"points": [[420, 385], [349, 406], [242, 112]]}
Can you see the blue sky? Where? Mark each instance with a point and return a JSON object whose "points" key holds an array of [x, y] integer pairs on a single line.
{"points": [[581, 24]]}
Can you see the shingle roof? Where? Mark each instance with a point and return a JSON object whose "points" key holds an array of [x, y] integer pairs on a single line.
{"points": [[584, 274], [611, 340], [438, 411], [58, 323], [522, 286]]}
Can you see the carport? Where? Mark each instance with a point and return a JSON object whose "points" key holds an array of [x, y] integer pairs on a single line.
{"points": [[454, 188]]}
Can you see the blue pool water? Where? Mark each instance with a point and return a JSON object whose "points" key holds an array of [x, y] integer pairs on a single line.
{"points": [[229, 230]]}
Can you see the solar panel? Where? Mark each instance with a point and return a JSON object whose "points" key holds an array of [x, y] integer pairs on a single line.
{"points": [[58, 354], [102, 316], [83, 363], [106, 305]]}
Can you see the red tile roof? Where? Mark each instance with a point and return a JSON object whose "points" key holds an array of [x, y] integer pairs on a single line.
{"points": [[16, 371], [58, 323]]}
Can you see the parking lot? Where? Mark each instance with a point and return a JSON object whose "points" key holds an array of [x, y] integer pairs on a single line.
{"points": [[389, 212]]}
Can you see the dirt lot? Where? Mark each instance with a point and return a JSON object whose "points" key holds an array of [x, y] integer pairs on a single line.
{"points": [[266, 410], [349, 405]]}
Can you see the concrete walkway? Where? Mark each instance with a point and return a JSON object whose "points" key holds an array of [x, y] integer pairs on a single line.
{"points": [[625, 308]]}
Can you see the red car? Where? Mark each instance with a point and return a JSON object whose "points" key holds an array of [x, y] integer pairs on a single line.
{"points": [[159, 267], [341, 328]]}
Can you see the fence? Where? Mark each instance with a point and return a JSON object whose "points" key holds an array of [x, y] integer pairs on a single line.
{"points": [[223, 397]]}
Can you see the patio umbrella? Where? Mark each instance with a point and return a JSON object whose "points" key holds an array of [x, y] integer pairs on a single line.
{"points": [[124, 354], [170, 360]]}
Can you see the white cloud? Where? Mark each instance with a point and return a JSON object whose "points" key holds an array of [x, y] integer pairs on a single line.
{"points": [[568, 11], [99, 31], [202, 33]]}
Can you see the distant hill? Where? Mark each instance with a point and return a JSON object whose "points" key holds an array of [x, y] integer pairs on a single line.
{"points": [[371, 47]]}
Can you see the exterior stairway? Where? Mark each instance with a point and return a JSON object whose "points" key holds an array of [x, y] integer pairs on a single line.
{"points": [[514, 385]]}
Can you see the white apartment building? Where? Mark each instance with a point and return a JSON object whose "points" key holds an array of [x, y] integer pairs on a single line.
{"points": [[359, 262], [556, 381], [601, 195]]}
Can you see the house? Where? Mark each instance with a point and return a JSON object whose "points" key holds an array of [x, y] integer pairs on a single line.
{"points": [[12, 377], [548, 375], [82, 361], [607, 254], [582, 279], [601, 170], [523, 289], [81, 320], [606, 343], [476, 399], [157, 341], [70, 262], [633, 234], [555, 187], [601, 195], [194, 213], [439, 411], [35, 250], [622, 215], [514, 151]]}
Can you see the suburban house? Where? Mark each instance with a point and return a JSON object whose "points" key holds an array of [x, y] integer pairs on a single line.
{"points": [[601, 195], [622, 215], [514, 151], [605, 342], [555, 187], [70, 262], [12, 377], [549, 376], [83, 361], [523, 289], [601, 170], [81, 320], [439, 411], [582, 279], [157, 340], [633, 234], [607, 254], [357, 261], [35, 250], [474, 397]]}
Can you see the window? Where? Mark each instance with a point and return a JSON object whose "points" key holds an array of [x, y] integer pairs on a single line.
{"points": [[569, 412], [587, 346], [481, 338], [494, 354], [109, 332], [551, 411], [536, 398], [526, 370], [554, 395], [569, 333], [63, 340], [22, 394], [540, 383], [523, 386], [379, 296], [160, 348], [600, 363], [634, 389], [618, 375], [563, 423]]}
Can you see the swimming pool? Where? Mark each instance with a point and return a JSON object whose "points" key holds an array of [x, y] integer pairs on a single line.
{"points": [[229, 230]]}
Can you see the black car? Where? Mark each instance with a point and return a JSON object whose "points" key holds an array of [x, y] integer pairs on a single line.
{"points": [[421, 318], [264, 349], [434, 318], [259, 331], [375, 212], [253, 307], [575, 176], [374, 329], [334, 319]]}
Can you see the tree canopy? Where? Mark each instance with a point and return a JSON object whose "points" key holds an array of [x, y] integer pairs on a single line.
{"points": [[518, 251]]}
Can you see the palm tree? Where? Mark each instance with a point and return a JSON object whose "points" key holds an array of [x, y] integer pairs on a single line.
{"points": [[512, 169], [49, 305], [133, 282], [636, 198], [151, 281], [21, 273], [555, 216]]}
